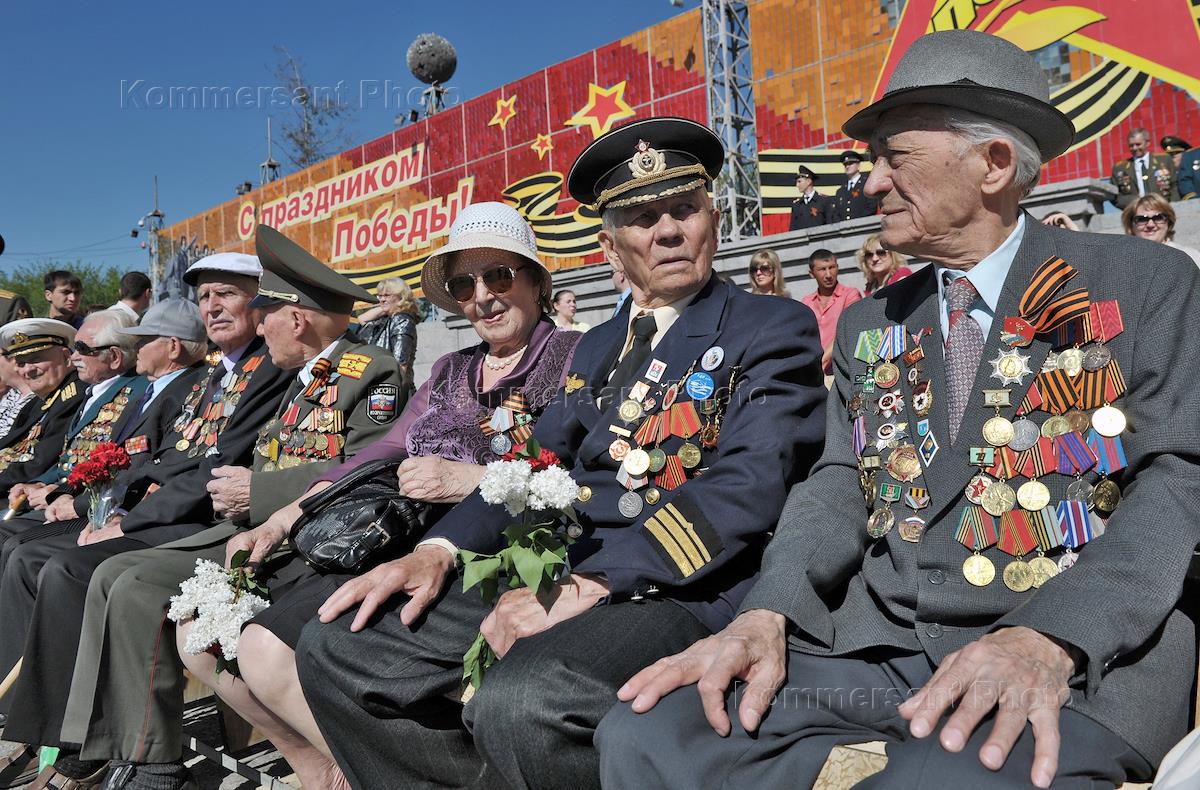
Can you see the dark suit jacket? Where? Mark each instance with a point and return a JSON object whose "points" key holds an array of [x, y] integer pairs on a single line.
{"points": [[1189, 174], [844, 592], [853, 203], [818, 211], [29, 414], [770, 435], [56, 414]]}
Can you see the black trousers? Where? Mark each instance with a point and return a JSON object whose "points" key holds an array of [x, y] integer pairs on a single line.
{"points": [[42, 595], [828, 701], [380, 695]]}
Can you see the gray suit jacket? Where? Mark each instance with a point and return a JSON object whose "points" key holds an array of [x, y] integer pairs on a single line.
{"points": [[844, 592]]}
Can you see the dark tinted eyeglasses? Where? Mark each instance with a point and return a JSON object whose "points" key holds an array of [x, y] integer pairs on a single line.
{"points": [[499, 280], [876, 253], [84, 350], [1142, 219], [764, 267]]}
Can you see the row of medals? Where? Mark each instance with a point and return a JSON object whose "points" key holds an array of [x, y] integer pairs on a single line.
{"points": [[200, 433], [98, 430]]}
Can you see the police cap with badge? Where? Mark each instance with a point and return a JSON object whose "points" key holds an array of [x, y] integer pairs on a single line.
{"points": [[30, 335], [291, 275]]}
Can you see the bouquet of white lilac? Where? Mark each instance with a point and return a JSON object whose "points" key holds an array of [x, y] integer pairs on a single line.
{"points": [[218, 602], [532, 485]]}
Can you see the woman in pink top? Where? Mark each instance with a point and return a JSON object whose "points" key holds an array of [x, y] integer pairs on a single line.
{"points": [[881, 267]]}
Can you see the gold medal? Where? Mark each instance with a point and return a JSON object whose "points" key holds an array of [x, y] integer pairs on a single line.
{"points": [[998, 499], [629, 411], [1043, 569], [1018, 576], [903, 464], [881, 521], [1108, 421], [182, 445], [1106, 495], [887, 375], [637, 462], [652, 496], [1070, 361], [998, 431], [689, 455], [979, 570], [1033, 495], [585, 493], [1055, 426]]}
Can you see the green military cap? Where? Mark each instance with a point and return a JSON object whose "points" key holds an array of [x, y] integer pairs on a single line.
{"points": [[291, 275]]}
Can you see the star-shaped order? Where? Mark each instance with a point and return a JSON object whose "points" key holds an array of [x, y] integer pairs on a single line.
{"points": [[505, 111], [1011, 367], [542, 145], [605, 106]]}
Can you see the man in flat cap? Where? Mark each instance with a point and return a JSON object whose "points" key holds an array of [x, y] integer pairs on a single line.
{"points": [[984, 568], [811, 209], [684, 418], [1143, 173], [340, 399], [852, 200]]}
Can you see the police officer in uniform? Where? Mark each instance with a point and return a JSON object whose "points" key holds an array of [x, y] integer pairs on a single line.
{"points": [[851, 200], [811, 209], [342, 395], [683, 418]]}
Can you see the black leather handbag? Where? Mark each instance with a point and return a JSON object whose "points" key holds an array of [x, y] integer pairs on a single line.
{"points": [[358, 521]]}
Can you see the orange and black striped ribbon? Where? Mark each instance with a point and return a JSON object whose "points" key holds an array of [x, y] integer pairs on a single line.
{"points": [[1058, 390], [518, 434], [1049, 277], [1046, 528], [649, 431], [685, 422], [320, 374], [516, 403]]}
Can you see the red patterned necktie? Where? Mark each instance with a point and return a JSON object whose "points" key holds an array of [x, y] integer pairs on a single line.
{"points": [[964, 347]]}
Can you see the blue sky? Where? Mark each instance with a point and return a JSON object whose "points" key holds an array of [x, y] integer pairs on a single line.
{"points": [[80, 141]]}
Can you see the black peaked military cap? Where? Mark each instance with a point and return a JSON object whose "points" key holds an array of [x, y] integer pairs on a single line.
{"points": [[804, 171], [291, 275], [644, 161], [849, 156], [1174, 145]]}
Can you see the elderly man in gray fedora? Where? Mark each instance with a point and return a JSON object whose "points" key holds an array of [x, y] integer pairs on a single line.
{"points": [[983, 570]]}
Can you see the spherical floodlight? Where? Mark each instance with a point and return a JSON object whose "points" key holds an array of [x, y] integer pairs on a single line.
{"points": [[432, 59]]}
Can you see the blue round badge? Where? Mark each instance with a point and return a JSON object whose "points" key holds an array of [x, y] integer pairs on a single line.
{"points": [[699, 386]]}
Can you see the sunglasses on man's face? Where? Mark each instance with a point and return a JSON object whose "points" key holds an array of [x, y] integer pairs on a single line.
{"points": [[84, 350], [1143, 219], [498, 280]]}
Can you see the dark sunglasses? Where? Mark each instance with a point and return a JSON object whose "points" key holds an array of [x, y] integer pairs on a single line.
{"points": [[1142, 219], [499, 280], [876, 253], [84, 350], [764, 267]]}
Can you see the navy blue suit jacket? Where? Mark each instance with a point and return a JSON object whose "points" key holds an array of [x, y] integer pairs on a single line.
{"points": [[771, 434]]}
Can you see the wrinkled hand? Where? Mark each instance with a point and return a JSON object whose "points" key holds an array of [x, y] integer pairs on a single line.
{"points": [[61, 509], [37, 495], [752, 648], [270, 535], [1021, 671], [520, 613], [17, 495], [230, 489], [420, 575], [434, 479], [110, 530]]}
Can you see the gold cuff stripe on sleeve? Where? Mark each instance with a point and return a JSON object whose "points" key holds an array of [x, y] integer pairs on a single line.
{"points": [[681, 537], [667, 542], [690, 529]]}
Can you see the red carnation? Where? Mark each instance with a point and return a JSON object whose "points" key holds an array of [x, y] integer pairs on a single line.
{"points": [[545, 460]]}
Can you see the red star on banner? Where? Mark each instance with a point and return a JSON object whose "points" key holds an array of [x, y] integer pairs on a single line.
{"points": [[505, 111], [604, 107], [542, 145]]}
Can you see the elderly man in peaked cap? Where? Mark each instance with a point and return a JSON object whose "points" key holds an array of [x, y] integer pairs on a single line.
{"points": [[983, 570]]}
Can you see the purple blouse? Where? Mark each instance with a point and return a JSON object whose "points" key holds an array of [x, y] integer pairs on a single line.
{"points": [[442, 417]]}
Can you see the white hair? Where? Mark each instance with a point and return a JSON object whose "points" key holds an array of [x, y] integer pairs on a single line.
{"points": [[975, 129], [107, 323], [194, 349]]}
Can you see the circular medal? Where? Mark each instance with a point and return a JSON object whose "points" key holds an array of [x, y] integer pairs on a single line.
{"points": [[182, 445], [652, 496], [1096, 356], [585, 493], [979, 570], [885, 432], [1081, 491], [629, 505], [699, 386], [669, 396], [1067, 561], [912, 528], [1077, 420], [1071, 361], [887, 375], [658, 459], [881, 521], [998, 499], [1106, 495], [500, 444], [1018, 576], [1044, 569], [1108, 421], [618, 449], [629, 411], [903, 463], [574, 531], [1033, 495], [998, 431], [914, 375], [977, 487], [637, 462], [712, 358], [1025, 435], [689, 455], [1055, 426]]}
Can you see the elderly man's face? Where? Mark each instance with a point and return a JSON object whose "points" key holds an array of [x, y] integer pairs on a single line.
{"points": [[928, 183], [224, 301], [101, 363], [665, 247], [1137, 145], [44, 370]]}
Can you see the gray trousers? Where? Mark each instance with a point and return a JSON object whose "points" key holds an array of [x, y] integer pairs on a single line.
{"points": [[379, 696], [126, 699], [828, 701]]}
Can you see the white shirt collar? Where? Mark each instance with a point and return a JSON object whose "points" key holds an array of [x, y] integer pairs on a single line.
{"points": [[664, 317], [98, 390], [987, 276], [231, 359]]}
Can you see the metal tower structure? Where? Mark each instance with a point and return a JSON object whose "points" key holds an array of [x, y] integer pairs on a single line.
{"points": [[153, 223], [731, 115], [268, 171]]}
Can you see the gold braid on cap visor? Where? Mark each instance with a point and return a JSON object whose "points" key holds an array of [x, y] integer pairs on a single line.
{"points": [[280, 295], [605, 200]]}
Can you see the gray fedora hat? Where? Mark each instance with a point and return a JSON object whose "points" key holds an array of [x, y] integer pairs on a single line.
{"points": [[978, 72]]}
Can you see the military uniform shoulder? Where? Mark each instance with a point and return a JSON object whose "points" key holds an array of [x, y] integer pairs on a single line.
{"points": [[357, 358]]}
